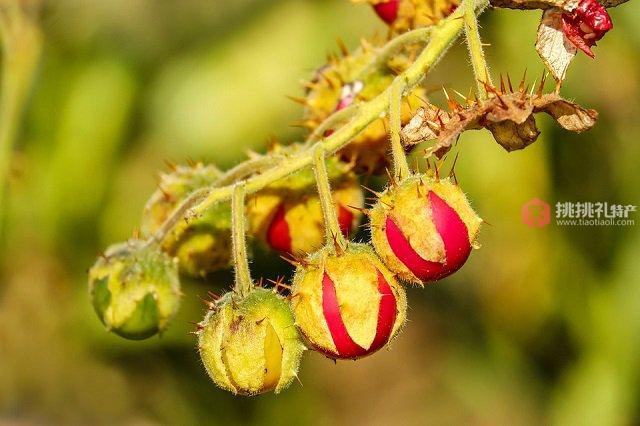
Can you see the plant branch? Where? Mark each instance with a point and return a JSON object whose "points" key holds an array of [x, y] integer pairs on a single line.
{"points": [[386, 52], [331, 224], [334, 119], [476, 52], [442, 36], [380, 60], [247, 168], [243, 282]]}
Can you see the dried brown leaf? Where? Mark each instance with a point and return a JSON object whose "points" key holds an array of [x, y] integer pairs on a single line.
{"points": [[567, 5], [509, 117], [535, 4]]}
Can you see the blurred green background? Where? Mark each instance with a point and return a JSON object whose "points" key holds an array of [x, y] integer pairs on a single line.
{"points": [[542, 326]]}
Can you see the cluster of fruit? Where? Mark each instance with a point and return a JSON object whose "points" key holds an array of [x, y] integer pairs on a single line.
{"points": [[346, 300]]}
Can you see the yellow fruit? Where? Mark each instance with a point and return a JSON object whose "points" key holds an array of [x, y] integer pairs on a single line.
{"points": [[250, 345]]}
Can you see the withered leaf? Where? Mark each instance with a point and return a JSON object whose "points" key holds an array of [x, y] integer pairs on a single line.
{"points": [[555, 50], [567, 5], [535, 4], [509, 117], [612, 3], [513, 136]]}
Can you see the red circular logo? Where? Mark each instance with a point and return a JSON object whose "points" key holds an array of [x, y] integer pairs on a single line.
{"points": [[536, 213]]}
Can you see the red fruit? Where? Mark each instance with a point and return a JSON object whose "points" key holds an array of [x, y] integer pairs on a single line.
{"points": [[454, 235], [388, 10], [587, 24], [345, 220], [423, 229], [347, 305], [345, 346], [287, 215], [279, 235]]}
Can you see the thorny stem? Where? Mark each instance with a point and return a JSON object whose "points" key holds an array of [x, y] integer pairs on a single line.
{"points": [[400, 165], [331, 121], [380, 60], [391, 48], [243, 282], [442, 36], [21, 47], [476, 52], [331, 224], [247, 168]]}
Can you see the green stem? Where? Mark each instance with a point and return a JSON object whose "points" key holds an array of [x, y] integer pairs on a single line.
{"points": [[243, 282], [331, 224], [442, 36], [476, 52], [400, 165], [247, 168], [21, 47], [331, 122], [385, 53]]}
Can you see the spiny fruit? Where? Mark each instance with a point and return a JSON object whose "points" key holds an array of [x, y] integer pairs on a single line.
{"points": [[135, 289], [202, 244], [250, 345], [349, 80], [423, 228], [586, 24], [347, 304], [404, 15], [287, 215]]}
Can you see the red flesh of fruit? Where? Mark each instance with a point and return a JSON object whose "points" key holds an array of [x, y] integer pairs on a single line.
{"points": [[345, 346], [387, 11], [587, 24], [278, 234], [345, 220], [454, 235]]}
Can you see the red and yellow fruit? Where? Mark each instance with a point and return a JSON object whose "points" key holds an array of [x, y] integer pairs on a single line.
{"points": [[287, 215], [423, 229], [347, 305], [404, 15], [250, 345]]}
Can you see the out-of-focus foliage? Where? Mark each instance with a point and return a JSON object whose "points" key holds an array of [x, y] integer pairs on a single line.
{"points": [[541, 325]]}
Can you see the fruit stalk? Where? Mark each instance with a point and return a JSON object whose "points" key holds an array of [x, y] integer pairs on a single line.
{"points": [[442, 37], [331, 224], [400, 164], [476, 52], [243, 282]]}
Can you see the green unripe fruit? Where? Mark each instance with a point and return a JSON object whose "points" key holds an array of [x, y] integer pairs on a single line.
{"points": [[202, 244], [250, 345], [135, 289]]}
